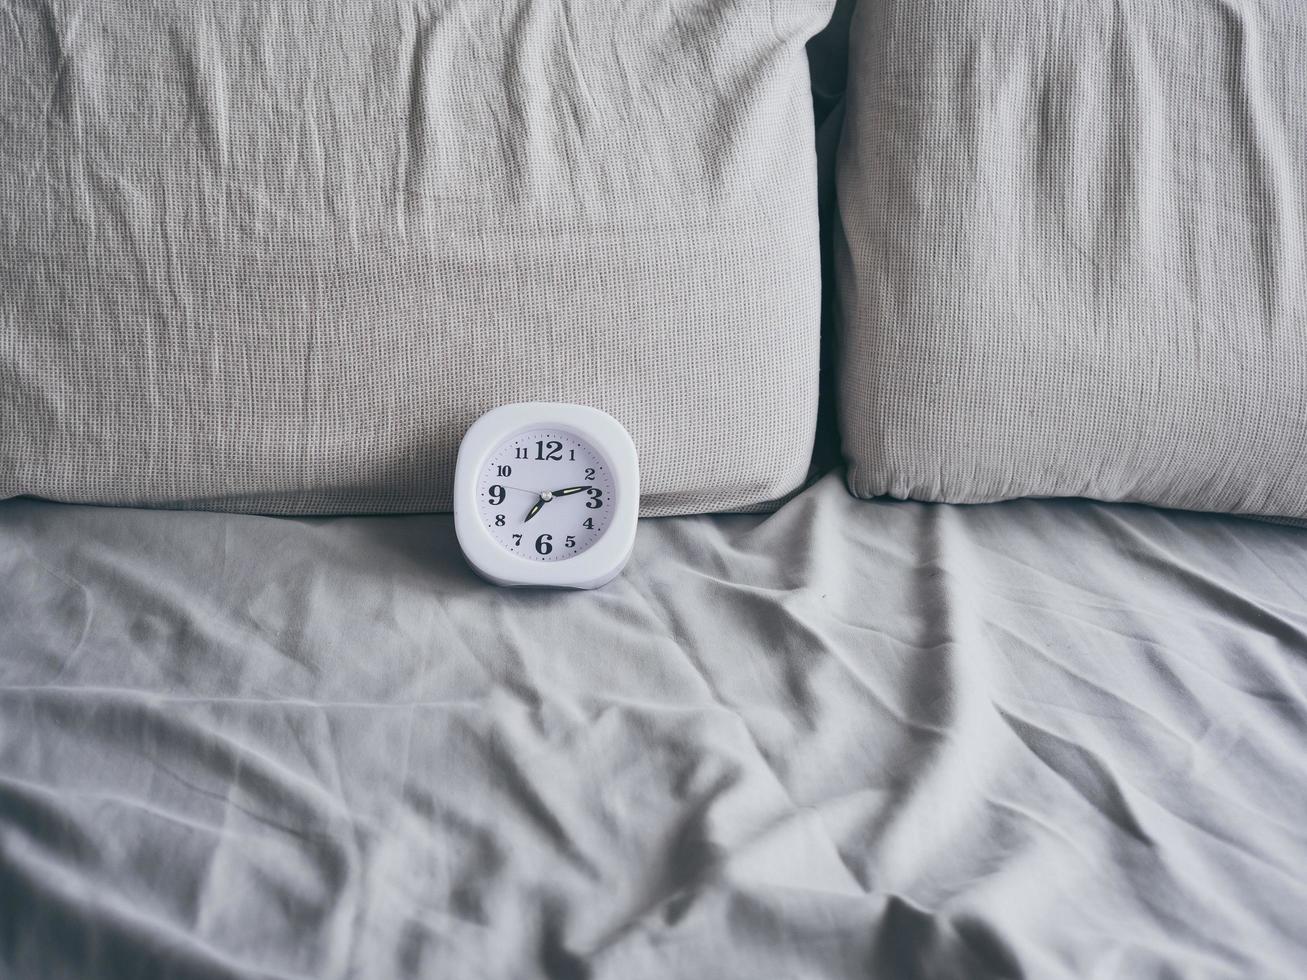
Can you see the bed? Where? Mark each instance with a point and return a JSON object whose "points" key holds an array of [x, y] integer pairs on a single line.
{"points": [[1029, 739]]}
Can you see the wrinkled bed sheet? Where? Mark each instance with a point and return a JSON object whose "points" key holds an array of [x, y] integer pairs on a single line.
{"points": [[1041, 739]]}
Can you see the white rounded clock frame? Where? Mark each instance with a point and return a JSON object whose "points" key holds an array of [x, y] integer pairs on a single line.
{"points": [[598, 564]]}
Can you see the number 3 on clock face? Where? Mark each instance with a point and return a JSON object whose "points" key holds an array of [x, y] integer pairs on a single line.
{"points": [[547, 494]]}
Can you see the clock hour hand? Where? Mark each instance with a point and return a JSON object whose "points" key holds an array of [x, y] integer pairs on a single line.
{"points": [[545, 497], [549, 495]]}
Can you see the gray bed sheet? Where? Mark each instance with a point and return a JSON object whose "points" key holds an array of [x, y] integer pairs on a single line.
{"points": [[1040, 739]]}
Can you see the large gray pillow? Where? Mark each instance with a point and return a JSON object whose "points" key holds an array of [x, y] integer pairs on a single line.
{"points": [[277, 256], [1074, 252]]}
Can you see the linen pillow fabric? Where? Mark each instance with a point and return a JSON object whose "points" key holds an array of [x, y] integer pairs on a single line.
{"points": [[277, 257], [1073, 252]]}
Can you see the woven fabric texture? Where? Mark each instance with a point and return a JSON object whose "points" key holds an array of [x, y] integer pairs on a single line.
{"points": [[277, 257], [1073, 252]]}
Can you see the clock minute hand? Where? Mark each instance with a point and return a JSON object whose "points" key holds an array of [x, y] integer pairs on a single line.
{"points": [[549, 495]]}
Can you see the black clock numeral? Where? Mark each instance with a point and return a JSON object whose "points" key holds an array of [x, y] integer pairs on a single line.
{"points": [[596, 498], [519, 453], [589, 472], [496, 495], [543, 545], [517, 540], [571, 455], [570, 542], [504, 471], [589, 522], [499, 520], [553, 449]]}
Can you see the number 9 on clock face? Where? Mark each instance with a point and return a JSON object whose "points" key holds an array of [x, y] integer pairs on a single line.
{"points": [[547, 494]]}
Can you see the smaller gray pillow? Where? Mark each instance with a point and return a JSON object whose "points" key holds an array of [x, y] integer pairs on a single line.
{"points": [[1073, 257]]}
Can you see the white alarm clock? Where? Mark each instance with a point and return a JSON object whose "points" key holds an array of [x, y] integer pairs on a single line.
{"points": [[547, 494]]}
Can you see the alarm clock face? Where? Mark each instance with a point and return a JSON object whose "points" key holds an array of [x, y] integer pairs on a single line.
{"points": [[546, 494]]}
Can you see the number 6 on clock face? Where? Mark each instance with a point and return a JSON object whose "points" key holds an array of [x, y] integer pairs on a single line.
{"points": [[547, 494]]}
